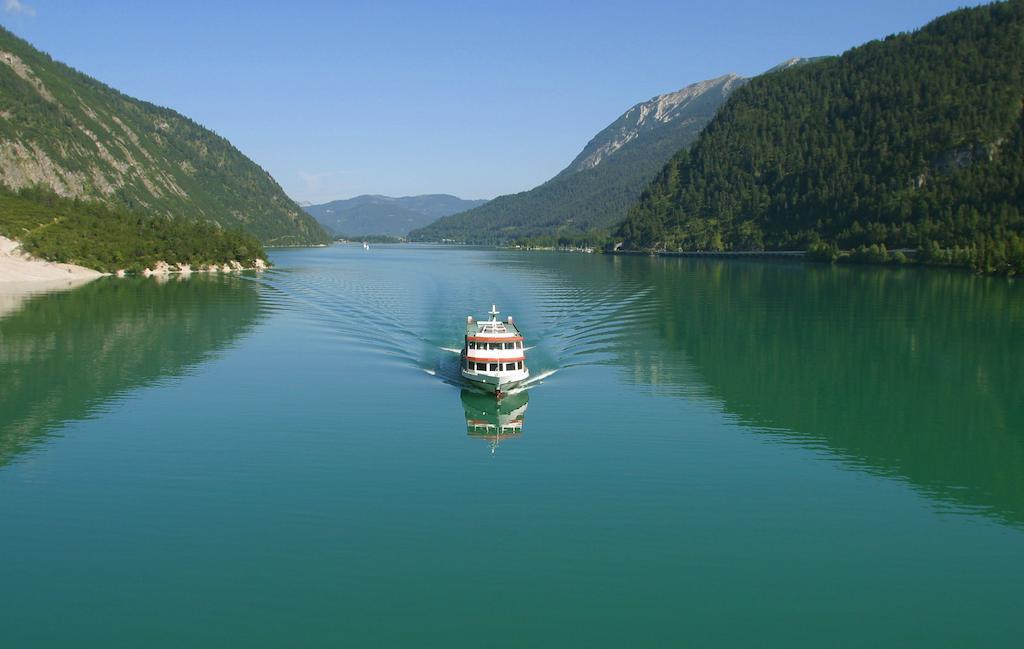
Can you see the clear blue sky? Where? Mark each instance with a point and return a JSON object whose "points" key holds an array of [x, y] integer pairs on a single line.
{"points": [[472, 98]]}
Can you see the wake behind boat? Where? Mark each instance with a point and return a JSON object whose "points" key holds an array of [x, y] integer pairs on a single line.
{"points": [[493, 356]]}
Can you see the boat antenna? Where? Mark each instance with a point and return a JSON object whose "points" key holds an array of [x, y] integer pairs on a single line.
{"points": [[494, 312]]}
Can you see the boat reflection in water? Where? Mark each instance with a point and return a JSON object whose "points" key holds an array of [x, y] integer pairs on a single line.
{"points": [[493, 420]]}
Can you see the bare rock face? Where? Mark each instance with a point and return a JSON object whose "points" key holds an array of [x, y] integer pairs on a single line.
{"points": [[964, 156], [159, 269], [701, 98]]}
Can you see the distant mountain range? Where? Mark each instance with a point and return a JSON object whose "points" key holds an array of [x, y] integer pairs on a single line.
{"points": [[373, 214], [597, 188], [67, 132]]}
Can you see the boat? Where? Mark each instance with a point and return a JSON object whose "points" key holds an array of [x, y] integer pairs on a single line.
{"points": [[493, 356], [366, 246]]}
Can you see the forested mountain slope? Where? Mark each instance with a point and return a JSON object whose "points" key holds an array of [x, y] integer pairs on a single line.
{"points": [[67, 132], [911, 141], [597, 188]]}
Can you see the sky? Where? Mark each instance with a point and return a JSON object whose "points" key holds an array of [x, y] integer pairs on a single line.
{"points": [[476, 99]]}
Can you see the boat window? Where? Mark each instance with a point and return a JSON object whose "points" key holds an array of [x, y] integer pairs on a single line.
{"points": [[519, 344], [520, 364], [510, 366], [471, 345], [481, 366], [495, 345], [509, 346], [494, 367]]}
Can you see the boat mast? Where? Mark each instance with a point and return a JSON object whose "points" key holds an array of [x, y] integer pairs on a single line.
{"points": [[494, 312]]}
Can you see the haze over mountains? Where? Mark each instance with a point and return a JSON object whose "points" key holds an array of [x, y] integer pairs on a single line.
{"points": [[371, 214], [71, 134]]}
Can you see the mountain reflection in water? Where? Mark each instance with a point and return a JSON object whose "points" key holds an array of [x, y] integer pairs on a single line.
{"points": [[63, 355], [910, 373], [913, 373]]}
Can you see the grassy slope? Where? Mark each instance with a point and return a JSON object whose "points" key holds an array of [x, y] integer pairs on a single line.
{"points": [[66, 131]]}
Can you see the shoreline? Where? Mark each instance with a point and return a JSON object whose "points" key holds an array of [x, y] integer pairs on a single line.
{"points": [[19, 267]]}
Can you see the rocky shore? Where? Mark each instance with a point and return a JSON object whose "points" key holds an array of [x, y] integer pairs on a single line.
{"points": [[163, 268]]}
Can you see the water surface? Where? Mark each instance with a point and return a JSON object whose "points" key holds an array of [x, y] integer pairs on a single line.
{"points": [[729, 453]]}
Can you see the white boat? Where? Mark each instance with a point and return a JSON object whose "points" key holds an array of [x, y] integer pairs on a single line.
{"points": [[493, 356], [366, 246]]}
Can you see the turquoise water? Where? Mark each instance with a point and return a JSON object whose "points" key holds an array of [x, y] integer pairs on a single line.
{"points": [[719, 453]]}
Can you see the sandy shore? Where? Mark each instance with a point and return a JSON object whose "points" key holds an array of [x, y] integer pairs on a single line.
{"points": [[22, 276], [21, 268]]}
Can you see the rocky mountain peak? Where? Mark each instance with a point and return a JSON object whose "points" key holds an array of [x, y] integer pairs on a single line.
{"points": [[655, 113]]}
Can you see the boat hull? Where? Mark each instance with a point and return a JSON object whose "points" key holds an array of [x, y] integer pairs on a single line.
{"points": [[492, 383]]}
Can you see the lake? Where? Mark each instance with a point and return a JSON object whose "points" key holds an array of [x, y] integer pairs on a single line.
{"points": [[719, 453]]}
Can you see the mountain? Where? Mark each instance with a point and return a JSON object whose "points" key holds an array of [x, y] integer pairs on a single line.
{"points": [[373, 214], [916, 140], [65, 131], [600, 184]]}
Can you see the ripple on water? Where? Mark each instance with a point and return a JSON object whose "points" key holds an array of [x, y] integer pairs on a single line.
{"points": [[410, 304]]}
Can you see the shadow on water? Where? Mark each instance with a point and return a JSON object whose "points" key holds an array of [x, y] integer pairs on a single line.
{"points": [[63, 355]]}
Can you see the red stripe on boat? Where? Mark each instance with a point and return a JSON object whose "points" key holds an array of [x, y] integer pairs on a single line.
{"points": [[484, 339], [474, 359]]}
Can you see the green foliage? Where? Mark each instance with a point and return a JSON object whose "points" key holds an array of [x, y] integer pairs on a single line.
{"points": [[821, 251], [91, 234], [914, 139], [873, 254], [986, 254], [371, 238], [596, 239], [81, 138]]}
